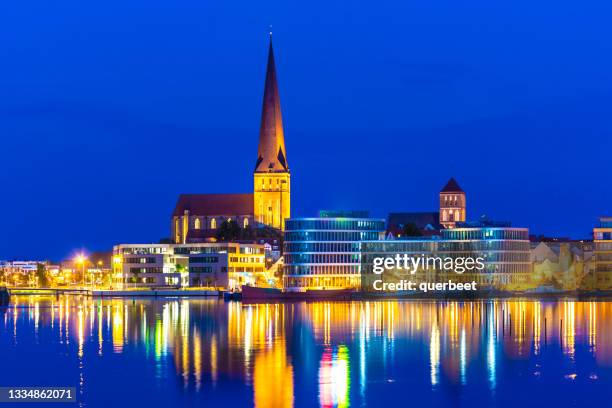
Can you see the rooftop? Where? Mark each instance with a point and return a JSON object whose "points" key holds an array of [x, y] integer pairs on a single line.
{"points": [[214, 204], [451, 187]]}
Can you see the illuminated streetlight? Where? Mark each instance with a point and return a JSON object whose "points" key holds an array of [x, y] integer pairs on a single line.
{"points": [[80, 259]]}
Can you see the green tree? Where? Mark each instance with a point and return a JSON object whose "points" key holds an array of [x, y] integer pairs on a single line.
{"points": [[411, 230], [228, 231], [135, 272], [41, 273]]}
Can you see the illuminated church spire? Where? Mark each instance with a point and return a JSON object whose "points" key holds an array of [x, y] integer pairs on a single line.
{"points": [[272, 180], [271, 154]]}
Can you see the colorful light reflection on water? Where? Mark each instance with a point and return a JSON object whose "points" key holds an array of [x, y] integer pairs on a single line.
{"points": [[329, 354]]}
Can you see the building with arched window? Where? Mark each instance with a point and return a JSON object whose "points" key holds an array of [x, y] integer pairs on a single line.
{"points": [[196, 217], [452, 204]]}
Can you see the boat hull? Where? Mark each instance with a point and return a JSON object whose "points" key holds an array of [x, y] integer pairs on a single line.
{"points": [[250, 293]]}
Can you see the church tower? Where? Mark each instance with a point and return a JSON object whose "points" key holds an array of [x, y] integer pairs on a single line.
{"points": [[452, 204], [271, 198]]}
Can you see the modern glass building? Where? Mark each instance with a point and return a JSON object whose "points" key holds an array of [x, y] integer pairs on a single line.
{"points": [[324, 252], [504, 252]]}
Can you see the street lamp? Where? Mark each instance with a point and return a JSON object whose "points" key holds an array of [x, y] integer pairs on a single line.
{"points": [[116, 268], [100, 264], [80, 259]]}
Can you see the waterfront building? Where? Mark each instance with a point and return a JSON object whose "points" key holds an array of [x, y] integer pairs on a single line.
{"points": [[197, 217], [221, 265], [452, 204], [505, 253], [602, 239], [338, 252], [324, 252], [567, 265], [16, 273]]}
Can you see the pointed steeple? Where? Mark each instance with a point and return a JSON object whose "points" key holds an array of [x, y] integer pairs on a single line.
{"points": [[451, 187], [271, 154]]}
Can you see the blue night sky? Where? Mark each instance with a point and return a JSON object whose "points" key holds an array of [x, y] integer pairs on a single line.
{"points": [[110, 109]]}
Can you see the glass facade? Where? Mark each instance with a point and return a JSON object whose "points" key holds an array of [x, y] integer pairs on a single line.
{"points": [[334, 253], [504, 251], [324, 253]]}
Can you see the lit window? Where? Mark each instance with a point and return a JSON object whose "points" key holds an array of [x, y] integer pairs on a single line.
{"points": [[197, 224], [213, 224], [245, 223]]}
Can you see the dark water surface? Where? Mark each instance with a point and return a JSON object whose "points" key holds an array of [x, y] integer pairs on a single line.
{"points": [[204, 352]]}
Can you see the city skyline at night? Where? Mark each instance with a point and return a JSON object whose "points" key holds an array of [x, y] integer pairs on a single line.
{"points": [[123, 120]]}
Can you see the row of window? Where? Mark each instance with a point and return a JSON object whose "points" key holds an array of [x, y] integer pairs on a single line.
{"points": [[449, 200], [246, 259], [321, 247], [243, 249], [331, 236], [206, 269], [250, 269], [322, 258], [198, 222], [501, 256], [321, 269], [277, 185], [334, 224], [200, 269], [203, 259], [485, 233], [603, 246], [147, 270], [143, 250], [133, 280], [148, 260], [451, 216]]}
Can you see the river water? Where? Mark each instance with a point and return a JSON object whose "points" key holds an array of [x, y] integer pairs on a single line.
{"points": [[206, 352]]}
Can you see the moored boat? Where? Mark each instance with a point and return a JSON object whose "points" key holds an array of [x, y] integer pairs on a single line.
{"points": [[250, 293]]}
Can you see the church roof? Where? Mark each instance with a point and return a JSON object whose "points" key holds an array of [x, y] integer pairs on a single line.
{"points": [[271, 154], [214, 204], [452, 187]]}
